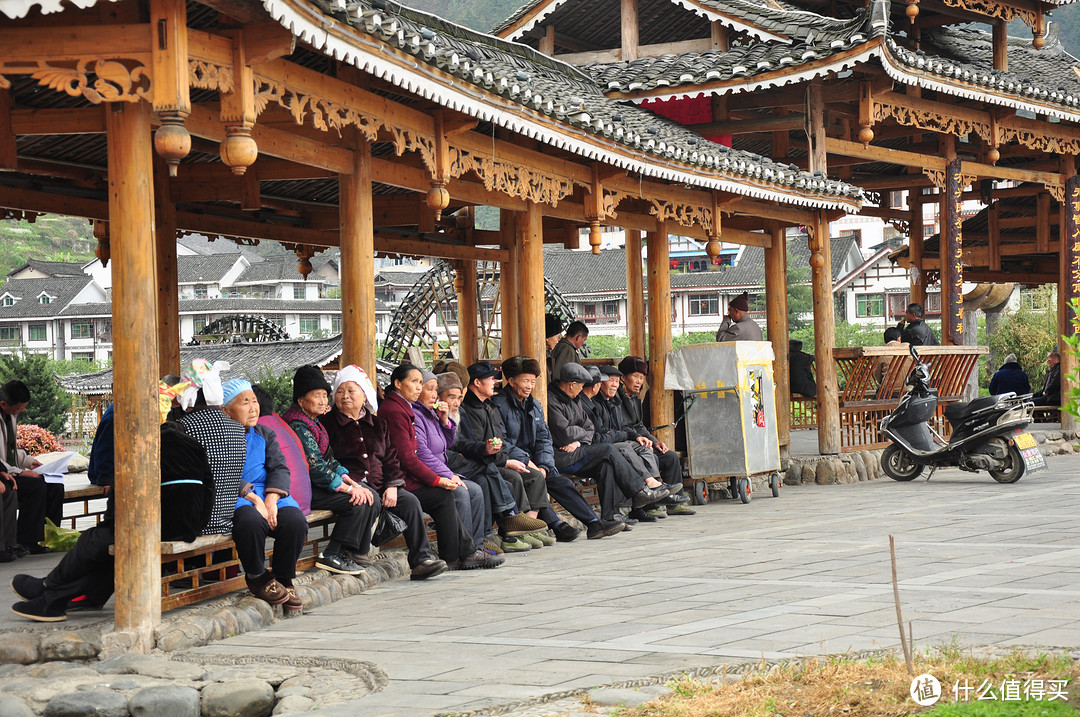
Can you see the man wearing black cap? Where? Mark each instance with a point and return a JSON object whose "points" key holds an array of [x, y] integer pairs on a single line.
{"points": [[552, 333], [634, 370], [573, 435], [738, 326], [480, 439], [529, 441]]}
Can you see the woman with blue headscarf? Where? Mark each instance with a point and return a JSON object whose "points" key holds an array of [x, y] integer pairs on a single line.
{"points": [[264, 507]]}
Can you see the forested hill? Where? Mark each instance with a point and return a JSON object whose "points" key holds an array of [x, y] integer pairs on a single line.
{"points": [[485, 14]]}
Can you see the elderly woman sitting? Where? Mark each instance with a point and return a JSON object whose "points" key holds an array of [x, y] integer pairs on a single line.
{"points": [[264, 507], [363, 446], [435, 432], [355, 506], [434, 491]]}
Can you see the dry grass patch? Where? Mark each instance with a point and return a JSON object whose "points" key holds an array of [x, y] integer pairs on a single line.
{"points": [[875, 687]]}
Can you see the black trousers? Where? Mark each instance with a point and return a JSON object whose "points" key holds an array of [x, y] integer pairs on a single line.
{"points": [[562, 489], [353, 523], [615, 479], [670, 467], [454, 540], [497, 494], [86, 569], [250, 531], [9, 517], [38, 500], [408, 509], [529, 489]]}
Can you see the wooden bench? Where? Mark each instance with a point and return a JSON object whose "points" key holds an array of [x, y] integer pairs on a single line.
{"points": [[864, 400], [209, 566], [89, 506], [1046, 414]]}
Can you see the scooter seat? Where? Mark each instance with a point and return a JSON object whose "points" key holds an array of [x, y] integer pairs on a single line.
{"points": [[957, 412]]}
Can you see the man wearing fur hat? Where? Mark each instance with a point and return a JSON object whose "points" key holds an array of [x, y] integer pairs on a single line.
{"points": [[738, 326]]}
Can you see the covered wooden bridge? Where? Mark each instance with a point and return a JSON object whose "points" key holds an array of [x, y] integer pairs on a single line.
{"points": [[362, 125]]}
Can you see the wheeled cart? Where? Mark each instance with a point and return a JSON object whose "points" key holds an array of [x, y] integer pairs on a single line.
{"points": [[729, 405]]}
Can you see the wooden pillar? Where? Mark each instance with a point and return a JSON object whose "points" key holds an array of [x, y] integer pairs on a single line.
{"points": [[635, 294], [508, 287], [547, 42], [828, 400], [135, 368], [1001, 45], [357, 261], [661, 410], [468, 309], [915, 247], [721, 37], [168, 287], [629, 17], [776, 318], [1069, 286], [530, 298], [828, 406], [952, 268]]}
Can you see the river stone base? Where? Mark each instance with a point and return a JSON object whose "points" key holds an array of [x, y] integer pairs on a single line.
{"points": [[185, 686]]}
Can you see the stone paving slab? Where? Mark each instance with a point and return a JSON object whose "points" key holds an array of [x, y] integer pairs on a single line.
{"points": [[979, 563]]}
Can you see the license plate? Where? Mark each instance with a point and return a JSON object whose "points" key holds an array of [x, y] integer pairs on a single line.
{"points": [[1034, 460]]}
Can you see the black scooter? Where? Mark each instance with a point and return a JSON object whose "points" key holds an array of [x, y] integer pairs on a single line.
{"points": [[987, 433]]}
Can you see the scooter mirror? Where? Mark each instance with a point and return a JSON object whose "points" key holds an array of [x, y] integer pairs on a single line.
{"points": [[914, 353]]}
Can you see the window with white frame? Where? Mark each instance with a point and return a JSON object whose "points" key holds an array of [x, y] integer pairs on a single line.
{"points": [[704, 304], [39, 332], [82, 330], [869, 306], [308, 325], [9, 333]]}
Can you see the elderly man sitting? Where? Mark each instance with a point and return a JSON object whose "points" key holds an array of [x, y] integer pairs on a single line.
{"points": [[573, 435], [738, 326]]}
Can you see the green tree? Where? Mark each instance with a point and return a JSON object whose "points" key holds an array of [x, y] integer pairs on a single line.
{"points": [[1030, 334], [48, 402], [800, 295], [278, 384]]}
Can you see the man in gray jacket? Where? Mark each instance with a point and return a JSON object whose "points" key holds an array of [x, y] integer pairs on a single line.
{"points": [[572, 435]]}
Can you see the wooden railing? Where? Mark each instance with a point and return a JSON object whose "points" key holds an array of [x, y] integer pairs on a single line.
{"points": [[871, 382]]}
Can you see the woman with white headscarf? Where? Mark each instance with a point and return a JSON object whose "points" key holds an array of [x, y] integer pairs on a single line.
{"points": [[264, 507]]}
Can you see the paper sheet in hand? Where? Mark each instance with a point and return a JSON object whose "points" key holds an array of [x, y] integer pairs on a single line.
{"points": [[54, 471]]}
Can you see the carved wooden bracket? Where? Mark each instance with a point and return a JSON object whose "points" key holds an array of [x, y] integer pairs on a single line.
{"points": [[686, 215], [992, 8], [512, 179], [1057, 191], [97, 79], [936, 176]]}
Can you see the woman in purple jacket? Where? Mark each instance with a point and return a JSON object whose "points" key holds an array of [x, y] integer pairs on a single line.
{"points": [[434, 434]]}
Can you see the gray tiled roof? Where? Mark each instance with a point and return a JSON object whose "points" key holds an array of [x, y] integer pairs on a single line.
{"points": [[581, 272], [275, 269], [62, 289], [398, 278], [53, 268], [206, 269], [539, 84], [956, 60], [246, 359], [233, 305]]}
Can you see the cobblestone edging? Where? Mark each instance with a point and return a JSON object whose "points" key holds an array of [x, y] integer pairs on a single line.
{"points": [[57, 672], [611, 698]]}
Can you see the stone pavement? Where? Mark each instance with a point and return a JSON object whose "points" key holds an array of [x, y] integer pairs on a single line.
{"points": [[806, 574]]}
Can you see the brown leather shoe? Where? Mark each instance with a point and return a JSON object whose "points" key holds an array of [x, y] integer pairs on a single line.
{"points": [[266, 587], [292, 603]]}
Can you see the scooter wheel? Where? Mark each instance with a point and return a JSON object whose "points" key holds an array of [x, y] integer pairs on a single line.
{"points": [[898, 465], [1015, 469]]}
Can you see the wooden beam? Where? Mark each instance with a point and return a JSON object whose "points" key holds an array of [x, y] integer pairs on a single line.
{"points": [[1015, 174], [1042, 226], [616, 54], [9, 155], [530, 285], [508, 287], [68, 120], [883, 154], [661, 410], [993, 219], [720, 37], [468, 311], [749, 126], [388, 244], [915, 248], [137, 488], [31, 45], [815, 118], [547, 42], [1001, 45]]}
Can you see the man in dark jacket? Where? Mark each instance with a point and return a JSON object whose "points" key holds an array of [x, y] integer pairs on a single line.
{"points": [[1010, 377], [1050, 395], [568, 349], [86, 571], [634, 371], [800, 364], [481, 442], [529, 441], [916, 332], [573, 434]]}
